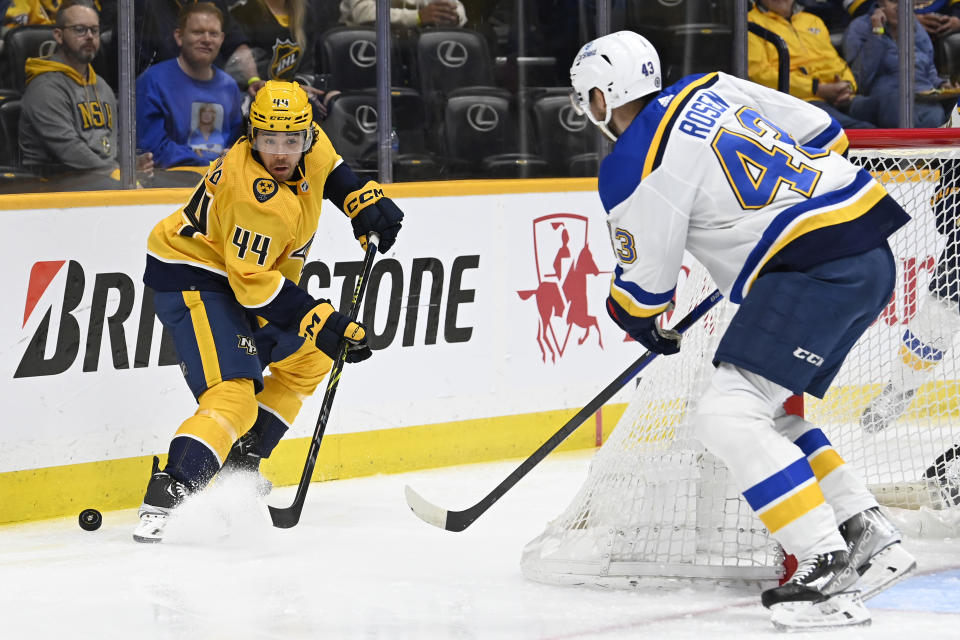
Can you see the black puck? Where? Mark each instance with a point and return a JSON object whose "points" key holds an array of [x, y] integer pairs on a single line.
{"points": [[90, 519]]}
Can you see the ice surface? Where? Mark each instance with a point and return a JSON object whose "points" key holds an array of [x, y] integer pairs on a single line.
{"points": [[360, 565]]}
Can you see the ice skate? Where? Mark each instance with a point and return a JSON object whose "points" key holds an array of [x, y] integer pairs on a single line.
{"points": [[817, 596], [875, 552], [243, 459], [164, 494], [885, 409]]}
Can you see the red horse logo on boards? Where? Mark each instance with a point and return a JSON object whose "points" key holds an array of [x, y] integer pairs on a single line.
{"points": [[563, 261]]}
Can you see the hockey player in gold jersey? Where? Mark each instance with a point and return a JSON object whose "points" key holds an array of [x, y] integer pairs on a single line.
{"points": [[224, 269]]}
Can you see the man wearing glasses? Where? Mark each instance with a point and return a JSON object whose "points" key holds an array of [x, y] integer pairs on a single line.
{"points": [[67, 121]]}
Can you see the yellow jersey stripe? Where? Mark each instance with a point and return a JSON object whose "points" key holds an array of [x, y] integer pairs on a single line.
{"points": [[793, 507], [204, 334], [676, 104]]}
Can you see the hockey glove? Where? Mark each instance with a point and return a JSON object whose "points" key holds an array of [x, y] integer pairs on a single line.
{"points": [[646, 331], [371, 211], [326, 327]]}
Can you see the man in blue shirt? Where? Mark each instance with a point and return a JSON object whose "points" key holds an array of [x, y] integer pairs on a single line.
{"points": [[188, 111]]}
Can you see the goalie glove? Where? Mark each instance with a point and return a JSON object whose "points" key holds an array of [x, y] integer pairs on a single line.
{"points": [[646, 331], [372, 212], [326, 326]]}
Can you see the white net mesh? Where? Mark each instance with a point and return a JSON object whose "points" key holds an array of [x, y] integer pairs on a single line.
{"points": [[656, 504]]}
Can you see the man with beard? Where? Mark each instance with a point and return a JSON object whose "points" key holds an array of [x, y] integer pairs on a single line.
{"points": [[67, 113]]}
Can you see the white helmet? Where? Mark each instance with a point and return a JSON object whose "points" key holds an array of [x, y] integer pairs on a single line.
{"points": [[624, 65]]}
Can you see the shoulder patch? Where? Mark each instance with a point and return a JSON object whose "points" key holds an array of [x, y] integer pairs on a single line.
{"points": [[264, 189]]}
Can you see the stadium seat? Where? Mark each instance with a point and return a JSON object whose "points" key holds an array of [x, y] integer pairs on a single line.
{"points": [[9, 131], [349, 55], [481, 137], [20, 43], [692, 48], [452, 59], [353, 124], [948, 56], [566, 138]]}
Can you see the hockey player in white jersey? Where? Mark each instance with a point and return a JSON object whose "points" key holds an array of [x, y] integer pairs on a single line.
{"points": [[751, 182]]}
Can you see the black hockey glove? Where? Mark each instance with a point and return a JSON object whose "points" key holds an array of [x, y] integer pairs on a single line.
{"points": [[372, 212], [327, 327], [646, 331]]}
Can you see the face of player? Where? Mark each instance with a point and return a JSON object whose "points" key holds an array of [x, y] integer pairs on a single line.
{"points": [[280, 152], [200, 39], [80, 48]]}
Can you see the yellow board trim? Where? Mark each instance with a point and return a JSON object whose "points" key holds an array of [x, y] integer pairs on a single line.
{"points": [[825, 462], [201, 328], [797, 505], [53, 492]]}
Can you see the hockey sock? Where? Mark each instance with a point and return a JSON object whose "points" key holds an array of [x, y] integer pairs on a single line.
{"points": [[735, 422], [841, 487]]}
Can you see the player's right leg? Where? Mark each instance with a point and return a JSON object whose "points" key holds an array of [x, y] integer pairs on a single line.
{"points": [[873, 542], [297, 368], [735, 422], [219, 360], [922, 347]]}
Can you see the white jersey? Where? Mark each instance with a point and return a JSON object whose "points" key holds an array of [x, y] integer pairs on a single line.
{"points": [[743, 177]]}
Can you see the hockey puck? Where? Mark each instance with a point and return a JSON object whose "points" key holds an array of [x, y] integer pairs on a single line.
{"points": [[90, 519]]}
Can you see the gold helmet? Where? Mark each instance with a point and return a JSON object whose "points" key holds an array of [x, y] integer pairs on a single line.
{"points": [[283, 112]]}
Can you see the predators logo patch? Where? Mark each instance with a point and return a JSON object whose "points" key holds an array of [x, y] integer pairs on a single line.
{"points": [[264, 189]]}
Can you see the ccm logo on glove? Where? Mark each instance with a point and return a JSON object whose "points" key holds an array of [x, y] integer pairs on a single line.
{"points": [[360, 199]]}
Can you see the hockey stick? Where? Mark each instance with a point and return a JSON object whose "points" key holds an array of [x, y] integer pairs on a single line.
{"points": [[460, 520], [285, 518]]}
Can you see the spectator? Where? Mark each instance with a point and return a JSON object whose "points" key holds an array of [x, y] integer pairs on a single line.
{"points": [[67, 112], [21, 12], [870, 45], [188, 111], [817, 72], [155, 20], [940, 18], [277, 32], [406, 13]]}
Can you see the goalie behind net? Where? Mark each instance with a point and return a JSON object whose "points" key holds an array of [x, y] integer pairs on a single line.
{"points": [[656, 504]]}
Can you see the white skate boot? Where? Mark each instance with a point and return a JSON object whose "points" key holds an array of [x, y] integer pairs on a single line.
{"points": [[875, 552], [885, 409], [164, 493]]}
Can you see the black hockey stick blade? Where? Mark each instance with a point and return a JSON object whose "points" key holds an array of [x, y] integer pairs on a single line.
{"points": [[460, 520], [287, 517]]}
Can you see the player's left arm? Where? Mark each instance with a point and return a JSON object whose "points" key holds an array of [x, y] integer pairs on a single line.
{"points": [[369, 210], [648, 233]]}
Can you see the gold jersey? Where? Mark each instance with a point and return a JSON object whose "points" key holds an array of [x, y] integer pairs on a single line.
{"points": [[244, 232]]}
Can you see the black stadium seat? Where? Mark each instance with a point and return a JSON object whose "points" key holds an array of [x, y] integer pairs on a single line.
{"points": [[349, 55], [353, 125], [451, 59], [481, 137], [20, 43], [566, 138]]}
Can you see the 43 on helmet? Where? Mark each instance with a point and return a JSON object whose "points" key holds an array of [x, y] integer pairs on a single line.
{"points": [[623, 65], [281, 119]]}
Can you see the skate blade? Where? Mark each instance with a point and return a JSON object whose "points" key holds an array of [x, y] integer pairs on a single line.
{"points": [[886, 569], [840, 610]]}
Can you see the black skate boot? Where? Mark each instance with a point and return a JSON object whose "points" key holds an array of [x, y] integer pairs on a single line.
{"points": [[875, 551], [164, 494], [817, 596], [885, 409], [242, 458]]}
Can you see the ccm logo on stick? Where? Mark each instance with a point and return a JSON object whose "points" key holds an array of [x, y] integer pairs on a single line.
{"points": [[812, 358]]}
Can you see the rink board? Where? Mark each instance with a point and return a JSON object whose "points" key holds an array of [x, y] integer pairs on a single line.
{"points": [[474, 357]]}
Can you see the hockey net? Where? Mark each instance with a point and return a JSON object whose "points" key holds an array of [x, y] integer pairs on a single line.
{"points": [[655, 504]]}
